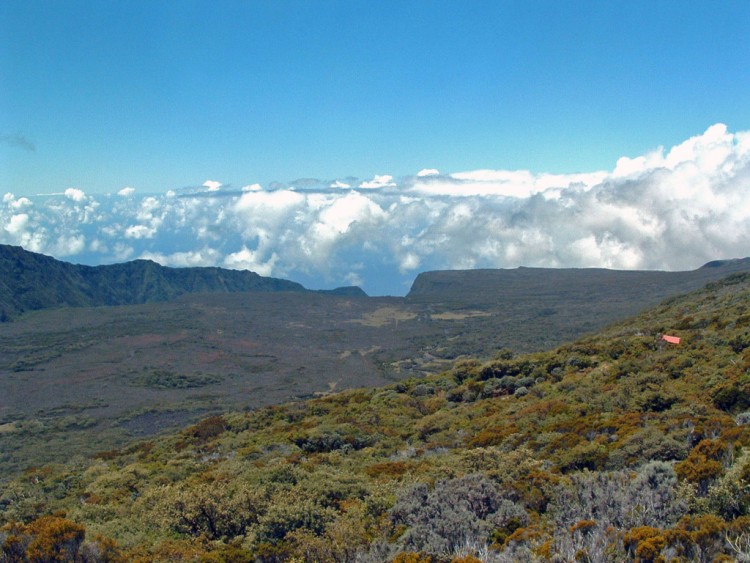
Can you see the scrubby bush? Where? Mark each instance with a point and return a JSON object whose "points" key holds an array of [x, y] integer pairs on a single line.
{"points": [[704, 463], [525, 381], [653, 496], [46, 539], [423, 389], [596, 509], [586, 541], [203, 432], [646, 444], [493, 388], [728, 496], [507, 518], [453, 514], [656, 401], [618, 499], [290, 514], [732, 397], [508, 383], [213, 510], [466, 369], [331, 439]]}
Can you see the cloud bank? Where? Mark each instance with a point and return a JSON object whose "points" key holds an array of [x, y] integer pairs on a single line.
{"points": [[670, 209]]}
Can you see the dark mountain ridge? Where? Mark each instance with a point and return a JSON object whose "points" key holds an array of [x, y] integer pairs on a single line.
{"points": [[32, 281]]}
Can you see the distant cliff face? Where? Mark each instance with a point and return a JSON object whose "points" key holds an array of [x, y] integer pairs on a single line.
{"points": [[553, 285], [30, 281], [346, 291]]}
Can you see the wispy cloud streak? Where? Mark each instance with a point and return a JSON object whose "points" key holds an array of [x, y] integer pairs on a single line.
{"points": [[18, 141]]}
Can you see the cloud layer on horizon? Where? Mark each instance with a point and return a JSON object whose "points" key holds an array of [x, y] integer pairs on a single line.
{"points": [[669, 209]]}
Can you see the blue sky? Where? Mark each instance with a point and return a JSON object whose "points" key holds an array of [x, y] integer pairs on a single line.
{"points": [[356, 142], [161, 95]]}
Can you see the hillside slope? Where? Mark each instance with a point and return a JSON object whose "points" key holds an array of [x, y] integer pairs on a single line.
{"points": [[620, 446], [85, 378], [33, 281]]}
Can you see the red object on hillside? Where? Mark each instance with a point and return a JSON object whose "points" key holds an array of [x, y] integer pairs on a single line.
{"points": [[671, 339]]}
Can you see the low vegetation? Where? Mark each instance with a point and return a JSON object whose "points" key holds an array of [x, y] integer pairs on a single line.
{"points": [[617, 447]]}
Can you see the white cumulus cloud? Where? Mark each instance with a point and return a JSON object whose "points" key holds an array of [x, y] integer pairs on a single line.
{"points": [[17, 224], [75, 194], [212, 185], [68, 245], [379, 181], [196, 258], [139, 231], [246, 259]]}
